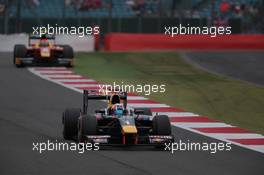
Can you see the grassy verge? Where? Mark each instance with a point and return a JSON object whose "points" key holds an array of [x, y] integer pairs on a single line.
{"points": [[194, 90]]}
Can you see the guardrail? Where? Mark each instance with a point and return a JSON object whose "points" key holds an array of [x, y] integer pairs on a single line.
{"points": [[144, 42]]}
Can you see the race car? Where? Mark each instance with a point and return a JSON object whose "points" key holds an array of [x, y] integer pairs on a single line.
{"points": [[43, 50], [117, 124]]}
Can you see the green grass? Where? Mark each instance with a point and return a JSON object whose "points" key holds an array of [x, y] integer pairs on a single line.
{"points": [[192, 89]]}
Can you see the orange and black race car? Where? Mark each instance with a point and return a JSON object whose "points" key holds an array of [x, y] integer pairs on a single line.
{"points": [[42, 50]]}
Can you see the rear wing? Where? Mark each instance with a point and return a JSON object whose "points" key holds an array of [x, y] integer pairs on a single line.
{"points": [[51, 37], [94, 95], [38, 37]]}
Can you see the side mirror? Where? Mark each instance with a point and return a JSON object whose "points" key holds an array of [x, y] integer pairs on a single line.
{"points": [[100, 111], [139, 111]]}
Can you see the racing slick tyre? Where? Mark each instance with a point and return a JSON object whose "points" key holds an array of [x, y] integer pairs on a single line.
{"points": [[146, 111], [70, 123], [161, 125], [87, 125], [20, 51], [68, 53]]}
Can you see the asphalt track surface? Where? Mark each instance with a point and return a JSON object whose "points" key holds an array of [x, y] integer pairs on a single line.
{"points": [[243, 65], [31, 112]]}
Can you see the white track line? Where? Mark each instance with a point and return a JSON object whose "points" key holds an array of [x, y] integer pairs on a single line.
{"points": [[177, 114], [62, 76], [136, 98], [76, 80], [54, 81], [39, 69], [143, 105], [200, 124], [50, 71], [84, 85], [237, 135], [259, 148]]}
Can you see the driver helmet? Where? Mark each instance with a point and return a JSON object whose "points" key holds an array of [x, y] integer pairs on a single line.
{"points": [[118, 109], [44, 42]]}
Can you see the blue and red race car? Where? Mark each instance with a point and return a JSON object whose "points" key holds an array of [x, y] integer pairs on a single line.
{"points": [[116, 124]]}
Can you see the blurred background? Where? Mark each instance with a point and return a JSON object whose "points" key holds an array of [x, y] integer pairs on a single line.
{"points": [[132, 16], [220, 78]]}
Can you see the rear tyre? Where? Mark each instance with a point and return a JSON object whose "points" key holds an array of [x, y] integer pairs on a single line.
{"points": [[20, 51], [70, 123], [161, 125], [146, 111], [87, 126]]}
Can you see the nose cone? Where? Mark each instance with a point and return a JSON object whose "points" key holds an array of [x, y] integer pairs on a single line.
{"points": [[129, 129], [45, 52]]}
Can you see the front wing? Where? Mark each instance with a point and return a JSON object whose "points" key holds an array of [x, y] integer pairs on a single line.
{"points": [[39, 61], [142, 140]]}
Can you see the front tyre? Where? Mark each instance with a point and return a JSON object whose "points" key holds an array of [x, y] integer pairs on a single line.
{"points": [[68, 53], [70, 123], [87, 126], [161, 125], [20, 51]]}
